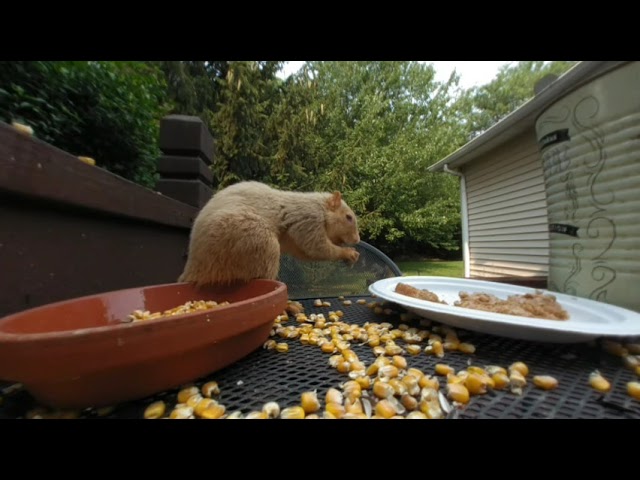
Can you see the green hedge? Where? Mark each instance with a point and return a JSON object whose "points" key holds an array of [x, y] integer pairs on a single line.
{"points": [[109, 111]]}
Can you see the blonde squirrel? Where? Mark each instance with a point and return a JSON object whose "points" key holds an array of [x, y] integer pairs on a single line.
{"points": [[243, 229]]}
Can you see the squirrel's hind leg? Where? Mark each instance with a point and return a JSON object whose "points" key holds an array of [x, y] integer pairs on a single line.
{"points": [[232, 246]]}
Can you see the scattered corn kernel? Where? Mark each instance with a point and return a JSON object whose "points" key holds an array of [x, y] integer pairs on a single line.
{"points": [[155, 410], [520, 367], [336, 410], [87, 160], [416, 416], [427, 381], [272, 409], [598, 382], [181, 412], [476, 384], [282, 347], [296, 413], [466, 348], [269, 344], [257, 416], [213, 411], [210, 389], [458, 392], [633, 389], [443, 370], [516, 381], [202, 405], [309, 402], [413, 349], [22, 128], [185, 393], [399, 362], [385, 409], [334, 396], [545, 382]]}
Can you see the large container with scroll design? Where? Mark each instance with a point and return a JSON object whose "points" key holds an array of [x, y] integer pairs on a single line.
{"points": [[590, 146]]}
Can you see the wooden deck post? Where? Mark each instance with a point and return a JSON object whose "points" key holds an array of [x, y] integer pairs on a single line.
{"points": [[187, 147]]}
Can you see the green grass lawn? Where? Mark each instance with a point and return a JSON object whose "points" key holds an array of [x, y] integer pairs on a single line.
{"points": [[432, 268]]}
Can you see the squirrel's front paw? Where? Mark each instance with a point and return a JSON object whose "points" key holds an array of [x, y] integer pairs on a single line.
{"points": [[351, 255]]}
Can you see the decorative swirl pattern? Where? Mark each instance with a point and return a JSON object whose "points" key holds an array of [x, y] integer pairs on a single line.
{"points": [[600, 228], [586, 109], [570, 286], [560, 117], [593, 231], [602, 273]]}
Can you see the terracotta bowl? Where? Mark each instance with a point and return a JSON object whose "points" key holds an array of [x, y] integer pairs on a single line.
{"points": [[80, 353]]}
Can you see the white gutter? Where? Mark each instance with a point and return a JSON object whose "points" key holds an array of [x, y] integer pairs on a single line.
{"points": [[464, 218]]}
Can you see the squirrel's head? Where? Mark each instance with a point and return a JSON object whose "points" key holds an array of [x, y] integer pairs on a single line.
{"points": [[342, 225]]}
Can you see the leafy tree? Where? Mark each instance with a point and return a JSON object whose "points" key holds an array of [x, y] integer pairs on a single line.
{"points": [[377, 126], [106, 110], [513, 85]]}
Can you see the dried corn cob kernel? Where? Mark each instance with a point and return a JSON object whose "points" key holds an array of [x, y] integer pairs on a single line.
{"points": [[193, 400], [328, 347], [516, 382], [493, 369], [416, 416], [257, 416], [213, 411], [181, 412], [388, 371], [443, 370], [476, 384], [413, 349], [336, 410], [467, 348], [633, 389], [500, 380], [399, 362], [210, 389], [295, 413], [334, 396], [545, 382], [458, 392], [202, 405], [309, 402], [155, 410], [185, 393], [427, 381], [364, 382], [282, 347], [520, 367], [598, 382], [269, 345], [385, 409], [382, 389], [272, 409]]}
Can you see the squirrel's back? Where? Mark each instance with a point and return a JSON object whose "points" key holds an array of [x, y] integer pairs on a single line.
{"points": [[241, 232]]}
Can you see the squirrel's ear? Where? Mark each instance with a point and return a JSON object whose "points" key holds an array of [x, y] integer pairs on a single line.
{"points": [[335, 201]]}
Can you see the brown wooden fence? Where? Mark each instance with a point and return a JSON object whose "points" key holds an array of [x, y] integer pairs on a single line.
{"points": [[69, 229]]}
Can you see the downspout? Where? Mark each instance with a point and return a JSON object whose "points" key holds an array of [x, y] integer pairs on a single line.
{"points": [[465, 219]]}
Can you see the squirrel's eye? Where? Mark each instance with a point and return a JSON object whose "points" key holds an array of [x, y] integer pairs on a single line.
{"points": [[349, 218]]}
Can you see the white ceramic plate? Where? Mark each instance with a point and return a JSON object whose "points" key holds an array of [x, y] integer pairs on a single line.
{"points": [[588, 319]]}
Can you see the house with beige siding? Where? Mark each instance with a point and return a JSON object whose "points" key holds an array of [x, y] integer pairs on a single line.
{"points": [[505, 226]]}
